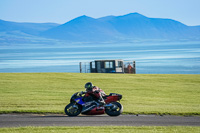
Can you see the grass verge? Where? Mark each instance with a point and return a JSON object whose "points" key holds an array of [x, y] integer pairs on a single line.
{"points": [[142, 93], [107, 129]]}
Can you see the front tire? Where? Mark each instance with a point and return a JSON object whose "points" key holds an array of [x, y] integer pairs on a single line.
{"points": [[72, 109], [116, 111]]}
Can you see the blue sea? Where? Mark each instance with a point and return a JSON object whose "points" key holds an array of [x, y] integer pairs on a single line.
{"points": [[151, 58]]}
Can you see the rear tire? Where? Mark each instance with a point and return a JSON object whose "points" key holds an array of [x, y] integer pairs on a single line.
{"points": [[114, 112], [72, 109]]}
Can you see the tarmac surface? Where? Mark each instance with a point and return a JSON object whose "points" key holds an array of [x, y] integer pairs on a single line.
{"points": [[20, 120]]}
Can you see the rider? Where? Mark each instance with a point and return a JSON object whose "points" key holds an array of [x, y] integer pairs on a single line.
{"points": [[94, 93]]}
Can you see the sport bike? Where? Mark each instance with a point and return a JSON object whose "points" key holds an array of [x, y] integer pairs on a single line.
{"points": [[78, 105]]}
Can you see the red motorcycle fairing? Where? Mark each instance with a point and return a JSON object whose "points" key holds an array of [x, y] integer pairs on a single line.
{"points": [[110, 99], [96, 111]]}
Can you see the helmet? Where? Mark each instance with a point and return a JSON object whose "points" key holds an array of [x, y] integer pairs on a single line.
{"points": [[88, 86]]}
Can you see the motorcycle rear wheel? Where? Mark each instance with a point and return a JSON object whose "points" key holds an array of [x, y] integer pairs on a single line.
{"points": [[72, 109], [114, 112]]}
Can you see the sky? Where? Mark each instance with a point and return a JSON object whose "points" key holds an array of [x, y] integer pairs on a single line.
{"points": [[62, 11]]}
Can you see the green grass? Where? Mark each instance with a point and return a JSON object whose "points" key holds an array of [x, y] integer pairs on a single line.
{"points": [[142, 94], [108, 129]]}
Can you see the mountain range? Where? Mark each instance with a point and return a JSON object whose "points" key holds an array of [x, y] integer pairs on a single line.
{"points": [[133, 26]]}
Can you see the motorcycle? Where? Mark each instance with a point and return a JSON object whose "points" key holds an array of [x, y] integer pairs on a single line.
{"points": [[78, 105]]}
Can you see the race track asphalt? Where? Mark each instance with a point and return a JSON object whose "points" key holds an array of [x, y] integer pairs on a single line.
{"points": [[19, 120]]}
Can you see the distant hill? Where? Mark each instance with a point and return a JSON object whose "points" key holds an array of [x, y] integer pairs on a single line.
{"points": [[130, 26], [83, 28], [28, 28], [13, 32]]}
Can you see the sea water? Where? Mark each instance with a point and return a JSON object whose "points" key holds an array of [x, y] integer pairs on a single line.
{"points": [[151, 58]]}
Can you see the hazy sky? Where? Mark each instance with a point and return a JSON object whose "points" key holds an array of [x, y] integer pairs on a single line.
{"points": [[61, 11]]}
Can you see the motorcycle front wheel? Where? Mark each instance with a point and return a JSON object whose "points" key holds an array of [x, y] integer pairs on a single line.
{"points": [[116, 110], [72, 109]]}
